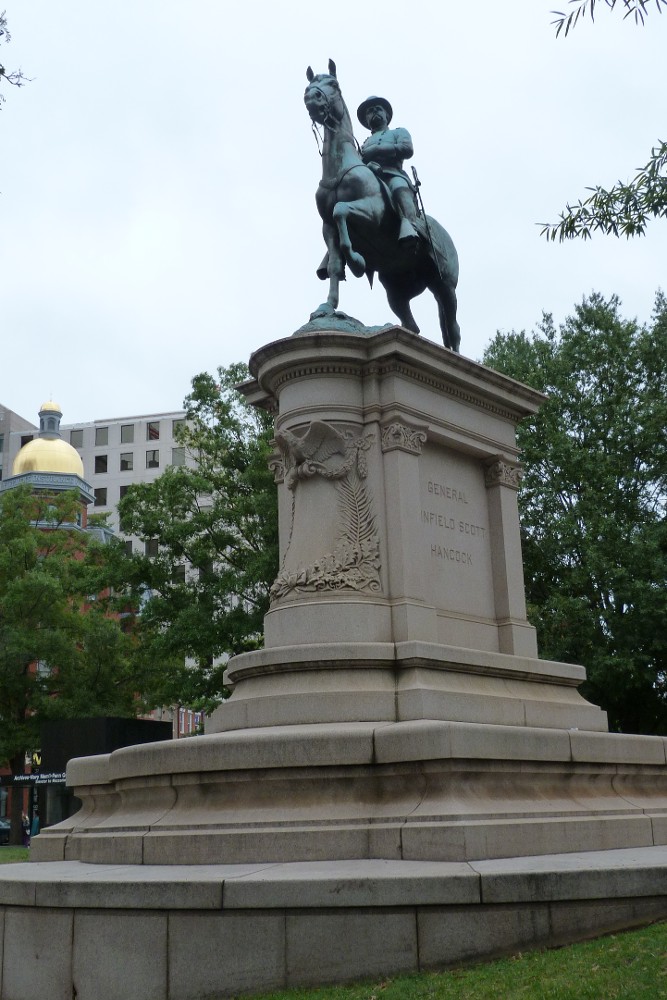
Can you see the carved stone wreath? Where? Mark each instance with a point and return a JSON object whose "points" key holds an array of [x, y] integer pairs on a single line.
{"points": [[354, 562]]}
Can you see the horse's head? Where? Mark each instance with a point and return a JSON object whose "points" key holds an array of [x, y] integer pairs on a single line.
{"points": [[323, 98]]}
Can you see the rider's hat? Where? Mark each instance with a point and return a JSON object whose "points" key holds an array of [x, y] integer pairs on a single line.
{"points": [[368, 103]]}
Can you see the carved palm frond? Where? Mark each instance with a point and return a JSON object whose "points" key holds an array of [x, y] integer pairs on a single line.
{"points": [[356, 513]]}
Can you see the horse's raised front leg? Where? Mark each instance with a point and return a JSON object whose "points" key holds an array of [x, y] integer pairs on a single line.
{"points": [[343, 210], [335, 272]]}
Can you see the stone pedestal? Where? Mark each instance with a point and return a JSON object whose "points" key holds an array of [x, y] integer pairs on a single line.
{"points": [[400, 593], [397, 781], [398, 709]]}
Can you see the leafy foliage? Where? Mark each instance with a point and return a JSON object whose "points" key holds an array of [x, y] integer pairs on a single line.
{"points": [[214, 521], [623, 210], [593, 501], [15, 77], [636, 9], [64, 650]]}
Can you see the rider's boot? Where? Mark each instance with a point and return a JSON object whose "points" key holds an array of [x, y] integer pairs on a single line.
{"points": [[405, 205], [407, 233]]}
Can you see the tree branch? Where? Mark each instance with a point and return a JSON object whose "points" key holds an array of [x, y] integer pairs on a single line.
{"points": [[623, 210], [637, 9], [16, 77]]}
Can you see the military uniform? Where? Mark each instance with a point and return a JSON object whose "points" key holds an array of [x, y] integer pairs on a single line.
{"points": [[388, 148]]}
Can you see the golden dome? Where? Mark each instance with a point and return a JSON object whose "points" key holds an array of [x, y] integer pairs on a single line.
{"points": [[50, 407], [48, 455]]}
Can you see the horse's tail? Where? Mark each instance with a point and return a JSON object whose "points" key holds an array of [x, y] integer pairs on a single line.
{"points": [[441, 249]]}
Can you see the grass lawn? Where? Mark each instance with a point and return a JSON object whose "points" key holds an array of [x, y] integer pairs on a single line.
{"points": [[628, 966], [8, 855]]}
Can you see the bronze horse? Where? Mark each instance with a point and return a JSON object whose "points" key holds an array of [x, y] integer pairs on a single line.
{"points": [[360, 227]]}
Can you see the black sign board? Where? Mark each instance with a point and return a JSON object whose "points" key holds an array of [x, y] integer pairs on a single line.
{"points": [[52, 778]]}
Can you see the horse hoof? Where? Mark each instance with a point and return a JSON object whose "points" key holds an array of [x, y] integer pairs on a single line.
{"points": [[357, 265], [324, 310]]}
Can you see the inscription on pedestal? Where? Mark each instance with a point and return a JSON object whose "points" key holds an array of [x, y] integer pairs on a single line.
{"points": [[454, 532]]}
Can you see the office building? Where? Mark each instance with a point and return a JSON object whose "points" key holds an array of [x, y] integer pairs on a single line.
{"points": [[12, 429], [117, 452]]}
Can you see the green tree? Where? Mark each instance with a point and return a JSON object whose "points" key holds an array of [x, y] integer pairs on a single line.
{"points": [[14, 77], [210, 527], [64, 650], [593, 499], [626, 208]]}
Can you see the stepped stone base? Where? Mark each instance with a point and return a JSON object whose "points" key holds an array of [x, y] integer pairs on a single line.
{"points": [[398, 682], [98, 932], [421, 790]]}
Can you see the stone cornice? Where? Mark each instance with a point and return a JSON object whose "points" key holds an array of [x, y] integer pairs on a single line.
{"points": [[392, 351]]}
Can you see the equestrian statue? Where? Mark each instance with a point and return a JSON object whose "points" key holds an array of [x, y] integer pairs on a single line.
{"points": [[372, 219]]}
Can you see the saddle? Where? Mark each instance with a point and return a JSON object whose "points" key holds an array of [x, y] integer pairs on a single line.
{"points": [[323, 269]]}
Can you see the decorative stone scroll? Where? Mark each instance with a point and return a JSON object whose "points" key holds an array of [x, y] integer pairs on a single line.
{"points": [[277, 467], [503, 474], [354, 562], [399, 437]]}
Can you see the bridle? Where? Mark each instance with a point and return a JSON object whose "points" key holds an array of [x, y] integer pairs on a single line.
{"points": [[329, 120]]}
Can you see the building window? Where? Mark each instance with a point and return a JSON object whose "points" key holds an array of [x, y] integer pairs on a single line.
{"points": [[101, 463], [206, 571], [76, 438], [177, 426], [43, 669], [126, 433], [127, 546], [101, 497], [178, 456], [178, 576], [126, 461], [151, 547], [101, 436], [123, 491], [25, 439], [153, 430], [0, 473], [2, 443], [152, 459]]}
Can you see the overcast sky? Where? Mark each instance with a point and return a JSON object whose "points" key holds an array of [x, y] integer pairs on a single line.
{"points": [[157, 177]]}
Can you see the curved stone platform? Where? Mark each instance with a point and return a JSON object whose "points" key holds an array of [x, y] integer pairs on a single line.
{"points": [[114, 932], [422, 790]]}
